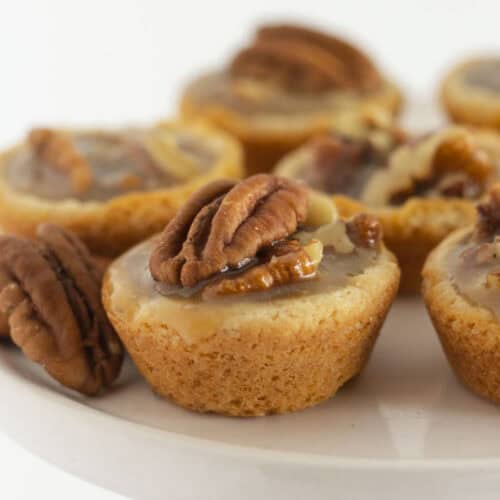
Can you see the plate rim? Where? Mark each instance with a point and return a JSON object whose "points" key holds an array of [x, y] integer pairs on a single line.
{"points": [[248, 454]]}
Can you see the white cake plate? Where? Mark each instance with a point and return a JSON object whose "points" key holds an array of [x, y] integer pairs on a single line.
{"points": [[404, 429]]}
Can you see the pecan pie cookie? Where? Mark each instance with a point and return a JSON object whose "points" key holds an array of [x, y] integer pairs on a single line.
{"points": [[290, 83], [420, 191], [471, 92], [50, 300], [461, 288], [112, 188], [255, 299]]}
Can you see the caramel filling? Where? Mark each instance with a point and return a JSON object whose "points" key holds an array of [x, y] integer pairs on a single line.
{"points": [[454, 162], [310, 261], [338, 164], [335, 271], [258, 99], [474, 268], [485, 75], [93, 166]]}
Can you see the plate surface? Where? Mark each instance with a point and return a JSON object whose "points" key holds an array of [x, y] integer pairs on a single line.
{"points": [[405, 420]]}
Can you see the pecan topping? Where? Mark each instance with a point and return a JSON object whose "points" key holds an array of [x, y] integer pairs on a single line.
{"points": [[59, 152], [285, 262], [339, 163], [303, 60], [224, 225], [460, 154], [364, 230], [454, 162], [488, 222], [50, 293]]}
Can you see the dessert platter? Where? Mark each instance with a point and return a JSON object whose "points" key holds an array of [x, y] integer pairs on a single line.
{"points": [[286, 292]]}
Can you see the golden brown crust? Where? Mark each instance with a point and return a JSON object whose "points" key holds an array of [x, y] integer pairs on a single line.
{"points": [[466, 104], [109, 228], [469, 333], [260, 358]]}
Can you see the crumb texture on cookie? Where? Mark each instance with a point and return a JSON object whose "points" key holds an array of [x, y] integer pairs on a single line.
{"points": [[462, 292]]}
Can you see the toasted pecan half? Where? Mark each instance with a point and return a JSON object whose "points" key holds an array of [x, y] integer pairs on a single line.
{"points": [[305, 60], [50, 295], [59, 152], [224, 225]]}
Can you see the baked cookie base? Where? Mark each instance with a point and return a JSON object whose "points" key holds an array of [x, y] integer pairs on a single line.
{"points": [[469, 333], [262, 358]]}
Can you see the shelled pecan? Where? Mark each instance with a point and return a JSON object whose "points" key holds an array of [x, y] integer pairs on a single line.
{"points": [[300, 59], [338, 162], [286, 262], [224, 225], [488, 222], [59, 152], [460, 154], [50, 293], [364, 230]]}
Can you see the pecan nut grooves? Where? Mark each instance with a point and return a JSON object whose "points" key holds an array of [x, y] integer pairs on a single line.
{"points": [[224, 225], [304, 60], [50, 293]]}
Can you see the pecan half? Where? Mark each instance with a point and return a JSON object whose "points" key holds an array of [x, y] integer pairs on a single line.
{"points": [[488, 222], [285, 262], [50, 293], [364, 230], [339, 163], [224, 225], [460, 154], [59, 152], [453, 162], [304, 60]]}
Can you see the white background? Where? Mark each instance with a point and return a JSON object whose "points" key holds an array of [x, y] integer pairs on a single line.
{"points": [[98, 61]]}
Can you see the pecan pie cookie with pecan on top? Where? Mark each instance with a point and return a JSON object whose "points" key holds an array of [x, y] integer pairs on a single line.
{"points": [[50, 304], [461, 288], [420, 189], [112, 188], [289, 84], [470, 93], [255, 299]]}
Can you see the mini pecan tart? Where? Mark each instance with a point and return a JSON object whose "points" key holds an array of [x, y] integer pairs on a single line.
{"points": [[290, 83], [255, 299], [342, 160], [50, 299], [461, 288], [420, 190], [470, 93], [112, 188]]}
